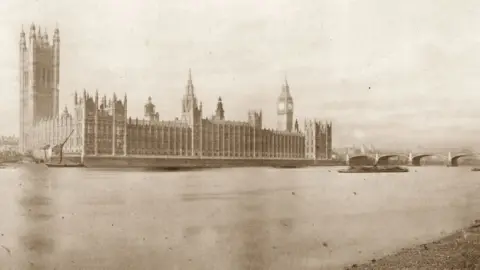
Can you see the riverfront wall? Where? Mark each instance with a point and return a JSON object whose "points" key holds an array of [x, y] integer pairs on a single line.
{"points": [[166, 162]]}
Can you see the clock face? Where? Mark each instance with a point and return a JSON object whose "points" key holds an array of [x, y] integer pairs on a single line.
{"points": [[281, 106], [290, 106]]}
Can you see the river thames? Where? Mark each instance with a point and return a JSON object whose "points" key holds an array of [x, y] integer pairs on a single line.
{"points": [[242, 218]]}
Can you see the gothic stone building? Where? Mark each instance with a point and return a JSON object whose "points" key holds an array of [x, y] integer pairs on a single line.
{"points": [[101, 127]]}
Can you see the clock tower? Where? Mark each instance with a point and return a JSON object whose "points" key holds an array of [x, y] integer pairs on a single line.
{"points": [[285, 109]]}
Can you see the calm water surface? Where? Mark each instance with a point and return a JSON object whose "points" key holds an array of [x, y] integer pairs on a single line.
{"points": [[245, 218]]}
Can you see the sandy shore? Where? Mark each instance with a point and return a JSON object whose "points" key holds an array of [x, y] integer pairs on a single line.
{"points": [[460, 250]]}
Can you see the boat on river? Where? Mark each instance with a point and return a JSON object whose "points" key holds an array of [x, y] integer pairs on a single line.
{"points": [[59, 148], [374, 169], [475, 169]]}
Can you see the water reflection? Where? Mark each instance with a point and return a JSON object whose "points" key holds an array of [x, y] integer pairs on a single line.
{"points": [[37, 233], [250, 218], [250, 234]]}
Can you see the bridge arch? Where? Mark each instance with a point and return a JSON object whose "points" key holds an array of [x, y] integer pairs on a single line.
{"points": [[361, 160], [416, 160], [383, 160], [454, 160]]}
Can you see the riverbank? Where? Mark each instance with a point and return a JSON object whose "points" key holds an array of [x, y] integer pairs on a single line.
{"points": [[460, 250]]}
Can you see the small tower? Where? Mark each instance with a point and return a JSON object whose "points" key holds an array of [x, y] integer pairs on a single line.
{"points": [[149, 110], [75, 98], [65, 112], [318, 139], [255, 119], [220, 113], [125, 103], [103, 103], [46, 43], [285, 109]]}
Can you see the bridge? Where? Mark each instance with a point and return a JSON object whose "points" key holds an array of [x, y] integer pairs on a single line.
{"points": [[413, 159]]}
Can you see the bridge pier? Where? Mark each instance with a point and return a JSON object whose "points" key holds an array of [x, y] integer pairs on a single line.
{"points": [[416, 163], [410, 159], [451, 162]]}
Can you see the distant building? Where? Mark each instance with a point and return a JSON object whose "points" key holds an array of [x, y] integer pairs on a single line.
{"points": [[102, 127], [8, 143]]}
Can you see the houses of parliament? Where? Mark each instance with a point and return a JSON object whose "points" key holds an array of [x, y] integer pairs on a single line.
{"points": [[100, 127]]}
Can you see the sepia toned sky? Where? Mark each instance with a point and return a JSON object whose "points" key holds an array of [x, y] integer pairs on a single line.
{"points": [[387, 73]]}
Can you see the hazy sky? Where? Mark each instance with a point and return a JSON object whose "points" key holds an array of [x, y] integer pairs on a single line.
{"points": [[385, 72]]}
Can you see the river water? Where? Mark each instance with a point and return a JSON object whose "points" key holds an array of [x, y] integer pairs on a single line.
{"points": [[242, 218]]}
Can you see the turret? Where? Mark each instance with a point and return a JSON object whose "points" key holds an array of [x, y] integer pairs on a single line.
{"points": [[113, 107], [32, 60], [149, 109], [65, 111], [45, 38], [22, 46], [96, 99], [39, 37], [104, 102], [56, 35], [255, 118], [220, 113], [22, 42], [32, 35], [56, 68]]}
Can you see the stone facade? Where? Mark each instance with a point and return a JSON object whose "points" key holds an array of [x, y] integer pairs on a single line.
{"points": [[318, 139], [39, 73], [102, 127]]}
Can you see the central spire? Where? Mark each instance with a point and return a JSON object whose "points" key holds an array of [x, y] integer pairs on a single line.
{"points": [[190, 87]]}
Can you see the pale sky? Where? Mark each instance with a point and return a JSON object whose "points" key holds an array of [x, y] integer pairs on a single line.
{"points": [[421, 60]]}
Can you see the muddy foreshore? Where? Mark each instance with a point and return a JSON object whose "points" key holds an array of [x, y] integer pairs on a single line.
{"points": [[460, 250]]}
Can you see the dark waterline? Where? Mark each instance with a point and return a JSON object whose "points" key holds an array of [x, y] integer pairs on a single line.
{"points": [[241, 218]]}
